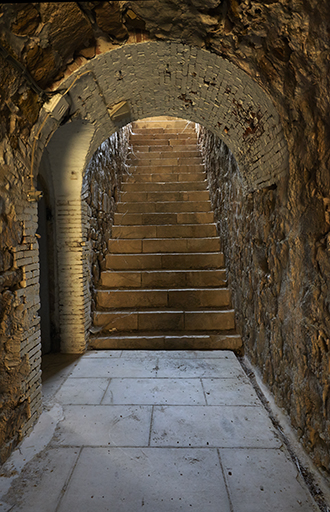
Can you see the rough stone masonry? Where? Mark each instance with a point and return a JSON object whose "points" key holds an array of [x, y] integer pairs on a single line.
{"points": [[277, 228]]}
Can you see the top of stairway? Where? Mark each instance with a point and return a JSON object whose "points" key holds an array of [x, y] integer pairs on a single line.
{"points": [[163, 124]]}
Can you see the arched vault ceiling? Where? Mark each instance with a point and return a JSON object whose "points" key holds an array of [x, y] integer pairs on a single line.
{"points": [[167, 78]]}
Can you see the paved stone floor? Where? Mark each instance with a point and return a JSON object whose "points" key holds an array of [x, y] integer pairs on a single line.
{"points": [[152, 431]]}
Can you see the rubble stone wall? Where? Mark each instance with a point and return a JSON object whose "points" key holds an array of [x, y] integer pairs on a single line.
{"points": [[20, 343], [100, 192], [282, 46], [276, 247]]}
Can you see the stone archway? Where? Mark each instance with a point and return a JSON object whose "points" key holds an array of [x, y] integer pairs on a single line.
{"points": [[143, 80], [156, 78]]}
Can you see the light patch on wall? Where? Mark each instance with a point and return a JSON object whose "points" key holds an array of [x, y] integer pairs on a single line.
{"points": [[57, 107], [120, 111]]}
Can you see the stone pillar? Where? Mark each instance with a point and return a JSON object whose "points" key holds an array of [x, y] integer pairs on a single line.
{"points": [[67, 153]]}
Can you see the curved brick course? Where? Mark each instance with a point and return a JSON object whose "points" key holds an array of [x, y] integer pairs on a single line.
{"points": [[166, 78]]}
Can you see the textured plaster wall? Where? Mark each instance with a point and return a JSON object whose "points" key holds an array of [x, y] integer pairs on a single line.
{"points": [[277, 261]]}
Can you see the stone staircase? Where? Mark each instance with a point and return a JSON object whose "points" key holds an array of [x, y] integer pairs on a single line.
{"points": [[164, 286]]}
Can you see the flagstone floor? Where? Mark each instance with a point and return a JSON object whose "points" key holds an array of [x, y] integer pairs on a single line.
{"points": [[153, 431]]}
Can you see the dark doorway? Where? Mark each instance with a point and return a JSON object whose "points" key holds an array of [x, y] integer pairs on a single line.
{"points": [[44, 311]]}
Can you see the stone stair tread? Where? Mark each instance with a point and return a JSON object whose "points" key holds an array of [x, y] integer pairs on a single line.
{"points": [[164, 186], [147, 148], [174, 341], [164, 284], [163, 126], [161, 132], [152, 123], [140, 141], [178, 271], [169, 334], [162, 135], [171, 177], [165, 158], [174, 290], [167, 178], [137, 279], [128, 311], [159, 155], [170, 298], [180, 320], [166, 255], [165, 261], [168, 169], [162, 129], [158, 195], [172, 334], [155, 245], [164, 231], [165, 219], [159, 239], [164, 206], [164, 310], [149, 162], [164, 149]]}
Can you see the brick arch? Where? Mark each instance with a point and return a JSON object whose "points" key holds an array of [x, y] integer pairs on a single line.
{"points": [[168, 78], [153, 78]]}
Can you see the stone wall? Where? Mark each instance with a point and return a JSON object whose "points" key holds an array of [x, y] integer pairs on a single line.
{"points": [[20, 344], [100, 191], [276, 246], [283, 46]]}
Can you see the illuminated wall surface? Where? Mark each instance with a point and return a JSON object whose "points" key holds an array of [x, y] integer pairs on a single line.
{"points": [[255, 77]]}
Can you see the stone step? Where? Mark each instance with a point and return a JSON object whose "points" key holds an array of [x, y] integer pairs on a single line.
{"points": [[154, 126], [177, 195], [172, 231], [143, 219], [167, 287], [172, 299], [166, 160], [160, 155], [164, 130], [165, 320], [167, 342], [157, 245], [164, 206], [163, 186], [163, 279], [168, 178], [166, 169], [167, 261], [169, 135], [147, 142], [165, 146]]}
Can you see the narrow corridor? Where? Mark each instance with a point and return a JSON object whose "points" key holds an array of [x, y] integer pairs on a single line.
{"points": [[153, 431], [159, 430], [147, 245]]}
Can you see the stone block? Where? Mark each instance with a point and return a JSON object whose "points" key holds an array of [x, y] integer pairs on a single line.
{"points": [[210, 320]]}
